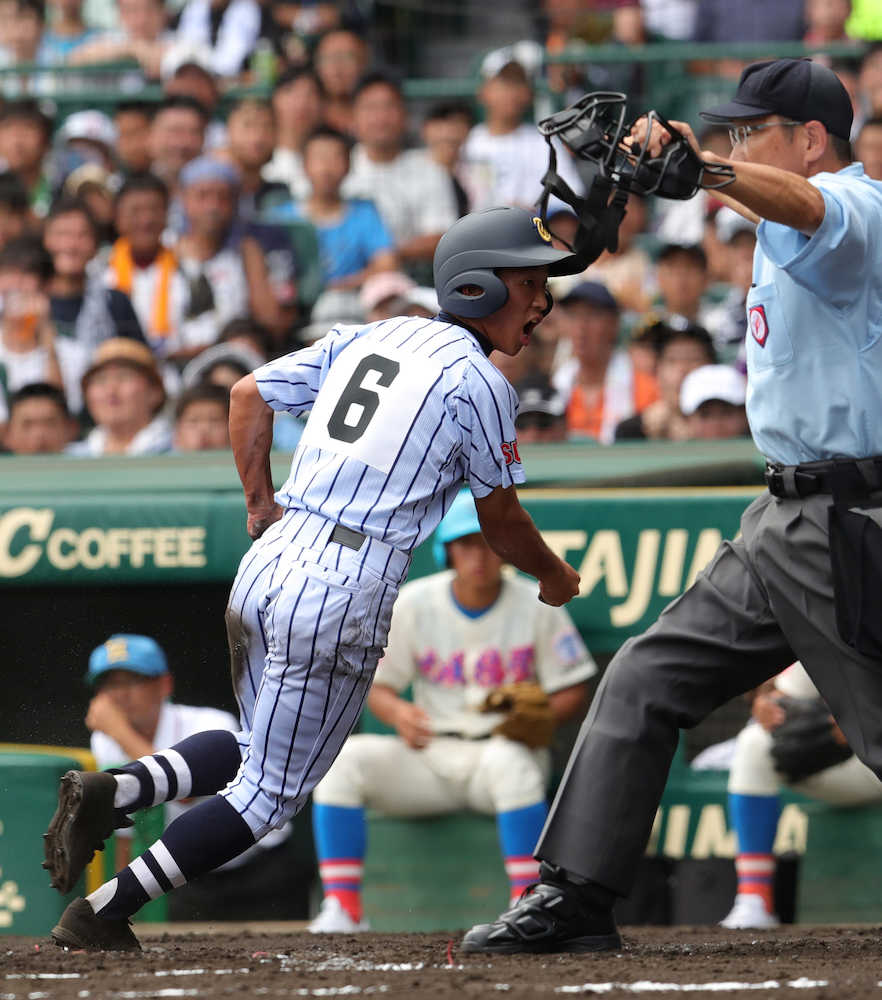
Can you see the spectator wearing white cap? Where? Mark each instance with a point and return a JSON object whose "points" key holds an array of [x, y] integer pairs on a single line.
{"points": [[504, 158], [86, 137], [712, 400]]}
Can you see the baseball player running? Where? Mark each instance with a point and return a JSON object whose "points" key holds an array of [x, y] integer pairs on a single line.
{"points": [[461, 637], [801, 579], [401, 412]]}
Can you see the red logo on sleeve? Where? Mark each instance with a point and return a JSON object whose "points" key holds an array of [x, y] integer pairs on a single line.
{"points": [[510, 452], [759, 325]]}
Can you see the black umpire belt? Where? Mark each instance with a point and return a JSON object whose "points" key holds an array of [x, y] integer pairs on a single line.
{"points": [[346, 536], [846, 476]]}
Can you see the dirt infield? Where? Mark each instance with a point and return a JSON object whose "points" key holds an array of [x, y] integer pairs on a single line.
{"points": [[796, 962]]}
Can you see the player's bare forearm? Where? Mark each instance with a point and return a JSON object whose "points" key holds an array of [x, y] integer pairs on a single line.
{"points": [[251, 436], [511, 534]]}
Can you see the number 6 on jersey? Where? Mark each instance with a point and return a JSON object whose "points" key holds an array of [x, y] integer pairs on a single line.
{"points": [[360, 384]]}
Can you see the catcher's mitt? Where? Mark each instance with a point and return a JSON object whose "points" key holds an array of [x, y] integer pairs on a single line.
{"points": [[528, 718], [808, 740]]}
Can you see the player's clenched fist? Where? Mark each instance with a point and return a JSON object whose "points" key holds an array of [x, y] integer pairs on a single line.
{"points": [[259, 520], [561, 586]]}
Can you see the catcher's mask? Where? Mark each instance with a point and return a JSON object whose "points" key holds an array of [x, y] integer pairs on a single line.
{"points": [[593, 129]]}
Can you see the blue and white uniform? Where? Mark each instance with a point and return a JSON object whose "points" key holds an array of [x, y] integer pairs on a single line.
{"points": [[814, 340], [769, 596], [401, 413]]}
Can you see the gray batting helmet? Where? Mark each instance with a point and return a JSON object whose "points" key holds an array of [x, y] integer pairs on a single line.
{"points": [[497, 237]]}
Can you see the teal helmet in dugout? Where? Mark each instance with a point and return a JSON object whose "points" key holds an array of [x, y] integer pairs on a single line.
{"points": [[137, 653], [476, 244], [459, 521]]}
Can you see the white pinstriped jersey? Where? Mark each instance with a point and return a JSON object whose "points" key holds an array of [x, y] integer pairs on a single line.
{"points": [[401, 413]]}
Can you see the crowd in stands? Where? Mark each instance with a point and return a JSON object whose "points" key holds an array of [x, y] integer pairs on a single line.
{"points": [[282, 183]]}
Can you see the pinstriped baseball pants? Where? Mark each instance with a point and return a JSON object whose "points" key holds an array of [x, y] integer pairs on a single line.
{"points": [[307, 621]]}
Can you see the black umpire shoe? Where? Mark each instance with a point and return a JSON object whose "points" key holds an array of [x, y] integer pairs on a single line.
{"points": [[553, 915], [84, 819], [80, 928]]}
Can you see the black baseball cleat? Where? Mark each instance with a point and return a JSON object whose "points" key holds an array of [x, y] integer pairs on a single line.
{"points": [[80, 928], [84, 819], [552, 916]]}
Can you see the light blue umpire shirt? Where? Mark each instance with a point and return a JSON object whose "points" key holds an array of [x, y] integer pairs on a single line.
{"points": [[814, 329]]}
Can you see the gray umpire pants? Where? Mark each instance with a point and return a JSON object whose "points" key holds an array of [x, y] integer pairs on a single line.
{"points": [[764, 601]]}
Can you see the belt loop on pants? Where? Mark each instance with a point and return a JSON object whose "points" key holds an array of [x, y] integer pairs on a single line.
{"points": [[346, 536], [313, 532]]}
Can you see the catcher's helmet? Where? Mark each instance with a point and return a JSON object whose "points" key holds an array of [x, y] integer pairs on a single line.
{"points": [[497, 237], [459, 521], [594, 129]]}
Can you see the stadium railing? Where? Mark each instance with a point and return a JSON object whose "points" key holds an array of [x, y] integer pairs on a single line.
{"points": [[664, 71]]}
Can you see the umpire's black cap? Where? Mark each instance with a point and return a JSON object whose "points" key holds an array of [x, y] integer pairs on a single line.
{"points": [[796, 88]]}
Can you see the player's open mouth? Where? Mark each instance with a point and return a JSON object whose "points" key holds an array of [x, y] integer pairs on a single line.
{"points": [[527, 330]]}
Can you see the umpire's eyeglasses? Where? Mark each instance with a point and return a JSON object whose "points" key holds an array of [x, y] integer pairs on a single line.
{"points": [[741, 133]]}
